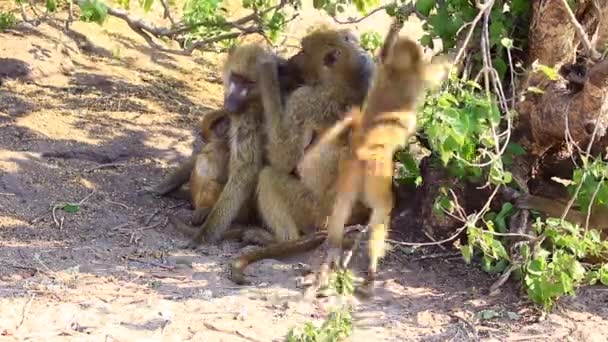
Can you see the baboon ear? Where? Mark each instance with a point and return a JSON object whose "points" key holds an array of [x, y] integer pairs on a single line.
{"points": [[331, 58]]}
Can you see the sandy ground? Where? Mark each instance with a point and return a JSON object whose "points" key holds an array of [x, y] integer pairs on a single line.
{"points": [[95, 123]]}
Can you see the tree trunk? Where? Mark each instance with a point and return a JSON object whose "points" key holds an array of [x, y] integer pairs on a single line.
{"points": [[574, 104]]}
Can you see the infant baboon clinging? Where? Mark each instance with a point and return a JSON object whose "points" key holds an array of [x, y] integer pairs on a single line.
{"points": [[295, 197], [210, 171], [387, 120]]}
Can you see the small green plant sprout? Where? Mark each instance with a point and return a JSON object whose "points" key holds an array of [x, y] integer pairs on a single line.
{"points": [[7, 20], [338, 326]]}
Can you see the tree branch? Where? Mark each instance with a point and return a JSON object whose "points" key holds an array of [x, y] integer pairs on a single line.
{"points": [[581, 32], [405, 10], [148, 30], [167, 13]]}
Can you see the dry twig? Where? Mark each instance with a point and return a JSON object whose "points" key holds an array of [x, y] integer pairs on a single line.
{"points": [[26, 309]]}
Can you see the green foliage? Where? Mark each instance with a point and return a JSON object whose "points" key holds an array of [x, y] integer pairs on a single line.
{"points": [[338, 326], [508, 24], [550, 269], [408, 171], [459, 125], [7, 20], [71, 208], [333, 8], [555, 270], [371, 41], [342, 282], [93, 11], [51, 5], [146, 4], [126, 4], [205, 18], [592, 181]]}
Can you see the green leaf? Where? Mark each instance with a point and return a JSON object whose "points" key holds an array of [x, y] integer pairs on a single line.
{"points": [[425, 6], [70, 208], [319, 4], [519, 7], [604, 274], [537, 266], [467, 253], [577, 270], [506, 42], [500, 66], [93, 11], [507, 177], [148, 5], [551, 73], [516, 149], [51, 5], [427, 41]]}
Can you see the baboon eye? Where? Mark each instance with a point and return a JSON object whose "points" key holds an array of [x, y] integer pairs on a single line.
{"points": [[331, 57]]}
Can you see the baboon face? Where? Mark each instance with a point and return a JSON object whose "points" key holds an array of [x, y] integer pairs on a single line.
{"points": [[240, 78], [334, 56], [240, 75]]}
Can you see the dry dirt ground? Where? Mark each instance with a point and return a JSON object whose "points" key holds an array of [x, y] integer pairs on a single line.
{"points": [[92, 124]]}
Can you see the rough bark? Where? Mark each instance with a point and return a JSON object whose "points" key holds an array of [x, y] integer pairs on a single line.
{"points": [[563, 109]]}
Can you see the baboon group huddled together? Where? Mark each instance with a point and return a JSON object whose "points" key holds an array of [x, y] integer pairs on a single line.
{"points": [[304, 146]]}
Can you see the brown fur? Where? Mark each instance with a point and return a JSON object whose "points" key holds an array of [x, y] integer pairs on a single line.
{"points": [[210, 171], [336, 72], [246, 149], [224, 157], [387, 120]]}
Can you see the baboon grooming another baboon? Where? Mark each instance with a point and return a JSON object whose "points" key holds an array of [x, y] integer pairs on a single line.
{"points": [[242, 109], [295, 197], [242, 100]]}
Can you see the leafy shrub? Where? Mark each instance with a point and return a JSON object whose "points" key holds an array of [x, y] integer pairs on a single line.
{"points": [[7, 20]]}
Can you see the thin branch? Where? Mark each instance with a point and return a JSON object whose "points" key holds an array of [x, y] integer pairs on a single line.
{"points": [[476, 20], [405, 11], [148, 30], [581, 32], [587, 154], [358, 20], [167, 12], [590, 207], [26, 309], [232, 35]]}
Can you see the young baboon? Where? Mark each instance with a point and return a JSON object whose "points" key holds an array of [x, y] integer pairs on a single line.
{"points": [[337, 73], [296, 197], [387, 120], [210, 171]]}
